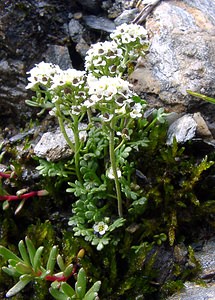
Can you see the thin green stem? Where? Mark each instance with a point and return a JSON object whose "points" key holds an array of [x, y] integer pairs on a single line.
{"points": [[114, 168], [77, 148], [63, 130], [89, 115], [120, 145]]}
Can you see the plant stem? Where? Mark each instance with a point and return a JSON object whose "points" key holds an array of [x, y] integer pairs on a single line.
{"points": [[23, 196], [62, 128], [114, 168], [77, 147]]}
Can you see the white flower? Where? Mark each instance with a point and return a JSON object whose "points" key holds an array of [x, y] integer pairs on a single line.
{"points": [[111, 175], [127, 33], [92, 101], [100, 227], [136, 111], [106, 117], [55, 99], [42, 73], [53, 112], [71, 76], [76, 110]]}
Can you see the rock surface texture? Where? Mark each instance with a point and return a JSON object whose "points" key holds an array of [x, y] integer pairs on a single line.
{"points": [[182, 54], [193, 291]]}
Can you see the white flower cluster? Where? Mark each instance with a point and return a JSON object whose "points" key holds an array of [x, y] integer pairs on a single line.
{"points": [[71, 77], [129, 33], [101, 57], [101, 86], [41, 74], [52, 76], [106, 89], [110, 58], [67, 87]]}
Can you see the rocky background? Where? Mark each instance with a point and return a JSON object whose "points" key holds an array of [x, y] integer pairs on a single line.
{"points": [[181, 57]]}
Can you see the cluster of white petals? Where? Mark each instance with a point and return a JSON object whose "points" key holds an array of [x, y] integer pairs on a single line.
{"points": [[100, 228], [136, 111], [42, 74], [109, 88], [129, 33], [110, 174], [99, 53], [72, 77]]}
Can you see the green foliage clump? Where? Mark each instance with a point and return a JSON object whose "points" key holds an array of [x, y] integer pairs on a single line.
{"points": [[31, 267]]}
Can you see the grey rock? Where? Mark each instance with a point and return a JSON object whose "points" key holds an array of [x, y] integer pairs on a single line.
{"points": [[126, 16], [99, 23], [82, 47], [58, 55], [183, 129], [181, 56], [193, 291], [207, 259], [12, 87], [118, 6], [52, 145], [26, 28], [75, 30], [202, 128], [186, 127]]}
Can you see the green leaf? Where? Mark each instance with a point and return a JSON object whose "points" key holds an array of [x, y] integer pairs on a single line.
{"points": [[203, 97], [67, 289], [91, 296], [13, 262], [31, 103], [94, 289], [24, 280], [52, 259], [68, 270], [61, 263], [117, 223], [11, 271], [31, 249], [23, 252], [37, 258], [57, 294], [80, 286], [7, 254], [23, 268], [5, 205]]}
